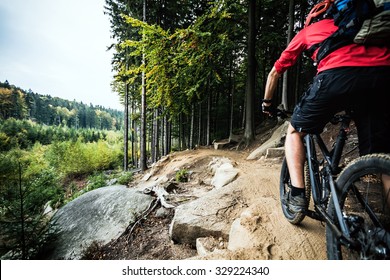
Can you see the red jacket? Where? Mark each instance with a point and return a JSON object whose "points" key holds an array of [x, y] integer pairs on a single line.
{"points": [[350, 55]]}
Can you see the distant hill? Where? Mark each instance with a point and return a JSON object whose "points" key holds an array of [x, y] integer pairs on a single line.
{"points": [[44, 109]]}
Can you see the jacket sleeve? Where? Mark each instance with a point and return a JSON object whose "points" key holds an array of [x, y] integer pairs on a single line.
{"points": [[290, 55]]}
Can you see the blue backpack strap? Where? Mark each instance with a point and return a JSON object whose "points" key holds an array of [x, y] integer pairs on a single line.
{"points": [[349, 16]]}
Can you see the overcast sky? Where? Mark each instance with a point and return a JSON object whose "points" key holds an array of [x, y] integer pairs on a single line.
{"points": [[58, 47]]}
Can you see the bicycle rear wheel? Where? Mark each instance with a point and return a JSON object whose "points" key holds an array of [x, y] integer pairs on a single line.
{"points": [[292, 217], [365, 204]]}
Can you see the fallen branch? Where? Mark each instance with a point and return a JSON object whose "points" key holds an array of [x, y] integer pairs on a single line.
{"points": [[160, 192]]}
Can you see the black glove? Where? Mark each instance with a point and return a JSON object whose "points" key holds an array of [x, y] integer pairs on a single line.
{"points": [[267, 108]]}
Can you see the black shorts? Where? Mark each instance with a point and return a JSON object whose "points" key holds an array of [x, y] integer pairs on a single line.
{"points": [[364, 90]]}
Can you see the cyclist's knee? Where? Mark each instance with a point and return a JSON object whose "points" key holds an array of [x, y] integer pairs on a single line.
{"points": [[291, 131]]}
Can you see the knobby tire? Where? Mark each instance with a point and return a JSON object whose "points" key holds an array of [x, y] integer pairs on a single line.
{"points": [[363, 203]]}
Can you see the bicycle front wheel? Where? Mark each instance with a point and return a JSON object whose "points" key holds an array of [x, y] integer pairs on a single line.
{"points": [[364, 197]]}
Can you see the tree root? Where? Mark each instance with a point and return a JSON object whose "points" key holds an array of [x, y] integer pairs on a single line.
{"points": [[160, 194]]}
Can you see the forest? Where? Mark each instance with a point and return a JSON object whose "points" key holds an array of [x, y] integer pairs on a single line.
{"points": [[47, 145], [192, 72], [188, 72]]}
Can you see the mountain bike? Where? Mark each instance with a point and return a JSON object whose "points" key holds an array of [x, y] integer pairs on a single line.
{"points": [[352, 201]]}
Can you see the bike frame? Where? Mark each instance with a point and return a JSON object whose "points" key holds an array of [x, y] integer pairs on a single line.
{"points": [[322, 181]]}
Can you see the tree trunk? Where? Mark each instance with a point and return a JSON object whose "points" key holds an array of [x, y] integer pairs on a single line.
{"points": [[230, 94], [126, 128], [133, 136], [163, 132], [143, 155], [155, 135], [200, 124], [191, 144], [249, 134], [168, 136], [181, 132]]}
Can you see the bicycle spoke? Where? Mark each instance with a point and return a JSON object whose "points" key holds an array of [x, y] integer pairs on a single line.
{"points": [[367, 215], [363, 208], [365, 205]]}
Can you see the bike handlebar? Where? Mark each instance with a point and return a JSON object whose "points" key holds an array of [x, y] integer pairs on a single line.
{"points": [[281, 113]]}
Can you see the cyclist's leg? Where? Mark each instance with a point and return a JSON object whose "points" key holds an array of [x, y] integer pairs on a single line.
{"points": [[296, 199], [310, 116], [295, 156]]}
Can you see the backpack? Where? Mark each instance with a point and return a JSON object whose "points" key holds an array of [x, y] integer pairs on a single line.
{"points": [[359, 21]]}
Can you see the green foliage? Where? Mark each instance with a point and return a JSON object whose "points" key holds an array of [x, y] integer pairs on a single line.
{"points": [[25, 191], [181, 64], [12, 103], [96, 181], [25, 133], [72, 159], [30, 181], [125, 178], [181, 175]]}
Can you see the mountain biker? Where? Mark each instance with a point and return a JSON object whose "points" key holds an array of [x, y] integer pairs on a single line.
{"points": [[351, 77]]}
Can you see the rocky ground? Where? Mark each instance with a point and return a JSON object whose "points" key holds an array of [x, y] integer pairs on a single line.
{"points": [[257, 208]]}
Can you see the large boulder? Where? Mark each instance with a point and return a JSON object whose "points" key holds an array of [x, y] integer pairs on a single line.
{"points": [[100, 215], [206, 216]]}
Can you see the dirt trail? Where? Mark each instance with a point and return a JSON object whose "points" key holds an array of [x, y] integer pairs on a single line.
{"points": [[258, 183]]}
